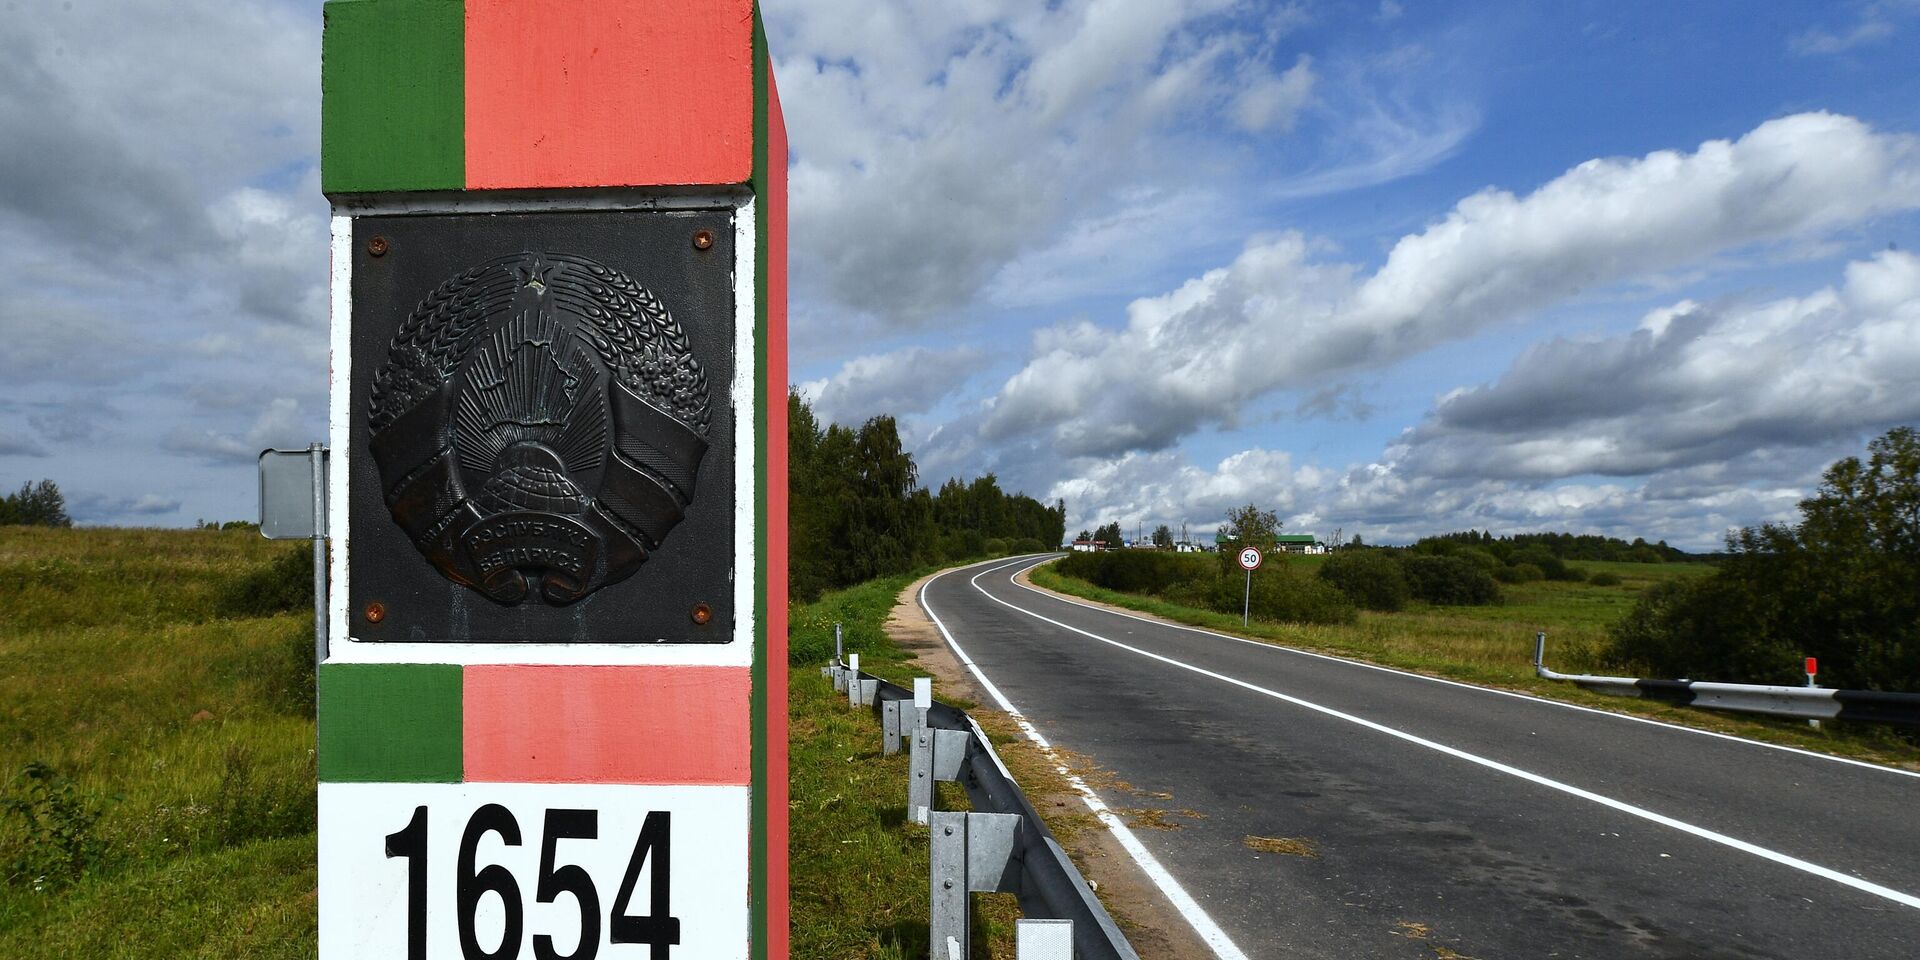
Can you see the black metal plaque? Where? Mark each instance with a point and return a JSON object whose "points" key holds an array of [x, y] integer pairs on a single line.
{"points": [[543, 428]]}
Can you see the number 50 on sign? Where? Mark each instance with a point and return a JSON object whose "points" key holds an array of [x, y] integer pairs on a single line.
{"points": [[542, 871]]}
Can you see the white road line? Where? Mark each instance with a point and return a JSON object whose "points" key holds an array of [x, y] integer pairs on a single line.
{"points": [[1203, 925], [1743, 846], [1530, 698]]}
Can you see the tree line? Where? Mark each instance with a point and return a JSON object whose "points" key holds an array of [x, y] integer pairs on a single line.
{"points": [[35, 505], [856, 509], [1842, 584]]}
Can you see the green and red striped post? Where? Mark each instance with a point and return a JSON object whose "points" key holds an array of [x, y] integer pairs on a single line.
{"points": [[608, 796]]}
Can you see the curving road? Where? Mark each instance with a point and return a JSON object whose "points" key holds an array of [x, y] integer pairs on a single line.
{"points": [[1445, 817]]}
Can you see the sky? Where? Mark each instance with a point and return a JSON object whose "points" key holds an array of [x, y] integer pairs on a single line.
{"points": [[1386, 268]]}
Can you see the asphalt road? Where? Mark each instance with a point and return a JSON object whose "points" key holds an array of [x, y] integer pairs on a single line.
{"points": [[1446, 817]]}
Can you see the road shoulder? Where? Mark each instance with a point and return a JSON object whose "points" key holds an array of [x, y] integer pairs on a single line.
{"points": [[1153, 926]]}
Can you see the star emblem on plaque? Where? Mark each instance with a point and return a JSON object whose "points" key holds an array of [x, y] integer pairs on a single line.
{"points": [[538, 427]]}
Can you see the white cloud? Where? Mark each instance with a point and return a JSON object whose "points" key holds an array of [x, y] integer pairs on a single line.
{"points": [[1282, 317], [1272, 101], [936, 148], [901, 383], [1704, 417], [1694, 385], [1874, 21], [280, 425]]}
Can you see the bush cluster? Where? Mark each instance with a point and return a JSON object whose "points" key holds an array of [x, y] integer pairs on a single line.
{"points": [[1279, 592], [1842, 585], [1372, 579]]}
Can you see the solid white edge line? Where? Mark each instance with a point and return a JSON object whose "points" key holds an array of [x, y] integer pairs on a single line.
{"points": [[1528, 697], [1196, 916], [1743, 846]]}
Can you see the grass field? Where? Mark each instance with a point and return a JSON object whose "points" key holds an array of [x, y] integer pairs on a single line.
{"points": [[1493, 645], [174, 813], [157, 767]]}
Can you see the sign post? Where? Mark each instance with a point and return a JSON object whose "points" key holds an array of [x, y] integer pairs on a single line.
{"points": [[1813, 667], [293, 506], [551, 719], [1249, 561]]}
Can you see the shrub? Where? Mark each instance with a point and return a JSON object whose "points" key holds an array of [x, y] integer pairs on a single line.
{"points": [[1280, 593], [285, 584], [994, 547], [48, 840], [1519, 573], [1449, 581], [1136, 571], [1550, 566], [1372, 579], [1604, 579]]}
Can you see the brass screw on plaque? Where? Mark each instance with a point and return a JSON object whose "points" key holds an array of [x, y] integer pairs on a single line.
{"points": [[703, 239], [702, 613], [377, 246], [376, 612]]}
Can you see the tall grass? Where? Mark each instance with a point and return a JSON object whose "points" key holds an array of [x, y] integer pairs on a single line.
{"points": [[155, 747]]}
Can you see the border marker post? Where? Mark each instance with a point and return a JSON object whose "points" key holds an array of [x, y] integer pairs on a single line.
{"points": [[556, 601]]}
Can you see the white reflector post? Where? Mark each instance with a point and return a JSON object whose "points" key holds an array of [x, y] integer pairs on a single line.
{"points": [[1043, 940]]}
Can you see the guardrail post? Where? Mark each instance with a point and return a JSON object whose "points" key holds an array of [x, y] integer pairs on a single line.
{"points": [[920, 760], [971, 853], [920, 774], [1043, 939], [890, 732], [866, 692], [853, 680]]}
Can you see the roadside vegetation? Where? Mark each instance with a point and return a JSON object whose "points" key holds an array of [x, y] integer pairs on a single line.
{"points": [[859, 867], [156, 745], [858, 511]]}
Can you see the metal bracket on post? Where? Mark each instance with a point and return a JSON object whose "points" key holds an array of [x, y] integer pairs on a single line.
{"points": [[864, 694], [949, 753], [971, 853], [937, 755], [852, 687]]}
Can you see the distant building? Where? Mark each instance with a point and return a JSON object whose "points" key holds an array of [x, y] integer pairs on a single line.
{"points": [[1083, 546], [1302, 543], [1299, 543]]}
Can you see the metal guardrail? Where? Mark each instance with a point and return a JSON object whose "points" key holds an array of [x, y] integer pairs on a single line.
{"points": [[1001, 845], [1811, 703]]}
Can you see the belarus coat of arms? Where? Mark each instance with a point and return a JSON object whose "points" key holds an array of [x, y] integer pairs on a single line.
{"points": [[538, 426]]}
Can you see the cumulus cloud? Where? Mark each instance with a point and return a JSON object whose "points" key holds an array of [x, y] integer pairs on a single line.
{"points": [[1282, 315], [161, 227], [1694, 384], [279, 425], [1701, 418], [935, 146], [901, 383]]}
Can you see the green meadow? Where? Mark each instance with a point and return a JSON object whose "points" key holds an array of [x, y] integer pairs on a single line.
{"points": [[157, 765], [156, 749]]}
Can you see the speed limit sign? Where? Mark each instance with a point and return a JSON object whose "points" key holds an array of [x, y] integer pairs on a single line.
{"points": [[1250, 558]]}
